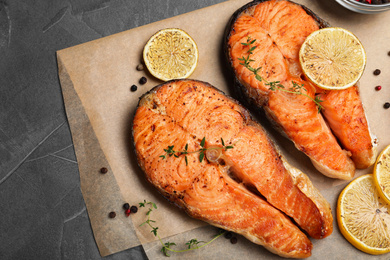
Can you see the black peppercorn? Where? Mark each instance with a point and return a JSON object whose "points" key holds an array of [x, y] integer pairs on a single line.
{"points": [[142, 80], [386, 105], [133, 88], [377, 72], [233, 240], [228, 235], [133, 209], [103, 170], [112, 214], [126, 206]]}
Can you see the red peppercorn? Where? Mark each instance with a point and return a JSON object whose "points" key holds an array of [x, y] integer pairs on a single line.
{"points": [[377, 88], [127, 212]]}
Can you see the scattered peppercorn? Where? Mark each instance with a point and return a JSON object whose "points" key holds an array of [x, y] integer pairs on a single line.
{"points": [[112, 214], [103, 170], [133, 88], [127, 212], [228, 235], [388, 53], [377, 88], [377, 72], [126, 206], [133, 209], [233, 240], [140, 67], [374, 2], [142, 80], [386, 105]]}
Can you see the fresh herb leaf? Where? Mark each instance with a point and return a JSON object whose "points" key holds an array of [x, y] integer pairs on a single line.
{"points": [[193, 243], [169, 151], [202, 143], [166, 247], [274, 85], [201, 156], [154, 231]]}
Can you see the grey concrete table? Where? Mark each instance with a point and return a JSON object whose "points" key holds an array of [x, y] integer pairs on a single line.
{"points": [[42, 211]]}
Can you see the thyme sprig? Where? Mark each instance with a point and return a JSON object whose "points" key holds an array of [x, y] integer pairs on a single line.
{"points": [[166, 247], [274, 85], [171, 152]]}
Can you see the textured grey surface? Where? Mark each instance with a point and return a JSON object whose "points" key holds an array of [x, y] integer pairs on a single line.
{"points": [[42, 211]]}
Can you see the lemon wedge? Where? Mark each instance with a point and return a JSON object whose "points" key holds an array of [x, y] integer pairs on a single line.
{"points": [[363, 216], [171, 54], [332, 58], [382, 174]]}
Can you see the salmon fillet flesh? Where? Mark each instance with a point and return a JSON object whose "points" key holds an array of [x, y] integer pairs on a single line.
{"points": [[249, 189], [279, 28]]}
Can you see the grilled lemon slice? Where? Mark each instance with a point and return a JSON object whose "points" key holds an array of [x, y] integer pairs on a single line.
{"points": [[382, 174], [363, 216], [171, 54], [332, 58]]}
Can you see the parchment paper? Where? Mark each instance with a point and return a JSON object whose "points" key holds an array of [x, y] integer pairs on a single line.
{"points": [[96, 78]]}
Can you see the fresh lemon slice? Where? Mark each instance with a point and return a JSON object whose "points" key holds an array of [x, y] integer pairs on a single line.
{"points": [[171, 54], [363, 217], [332, 58], [382, 174]]}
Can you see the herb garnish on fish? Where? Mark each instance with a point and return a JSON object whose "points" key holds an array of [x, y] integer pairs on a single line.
{"points": [[274, 85], [170, 151]]}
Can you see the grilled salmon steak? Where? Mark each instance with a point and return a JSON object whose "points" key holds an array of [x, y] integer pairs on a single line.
{"points": [[242, 183], [271, 33]]}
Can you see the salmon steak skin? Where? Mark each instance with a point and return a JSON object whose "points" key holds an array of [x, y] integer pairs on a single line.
{"points": [[249, 189], [337, 140]]}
